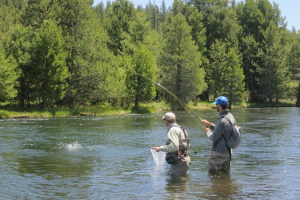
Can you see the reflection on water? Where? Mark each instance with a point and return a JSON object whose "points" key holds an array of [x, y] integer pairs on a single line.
{"points": [[109, 158], [177, 185], [223, 187]]}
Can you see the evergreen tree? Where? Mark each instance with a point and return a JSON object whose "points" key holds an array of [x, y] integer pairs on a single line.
{"points": [[198, 30], [225, 75], [294, 54], [100, 11], [34, 13], [19, 47], [153, 13], [9, 17], [163, 12], [221, 24], [204, 4], [48, 65], [181, 70], [141, 75], [8, 77], [90, 63], [251, 58], [117, 20], [41, 58], [194, 19], [141, 79], [274, 75], [257, 18], [298, 96], [13, 4]]}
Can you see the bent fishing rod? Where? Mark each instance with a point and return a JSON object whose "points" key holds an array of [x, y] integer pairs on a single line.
{"points": [[173, 95]]}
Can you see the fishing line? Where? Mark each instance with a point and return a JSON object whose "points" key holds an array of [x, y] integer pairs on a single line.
{"points": [[194, 116]]}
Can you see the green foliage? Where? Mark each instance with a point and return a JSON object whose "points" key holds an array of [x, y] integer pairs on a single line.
{"points": [[224, 73], [141, 78], [8, 76], [100, 11], [117, 20], [264, 50], [294, 55], [153, 14], [298, 96], [275, 77], [91, 65], [41, 59], [34, 13], [48, 65], [181, 70], [67, 52], [141, 72]]}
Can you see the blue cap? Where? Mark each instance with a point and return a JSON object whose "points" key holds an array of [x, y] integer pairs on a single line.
{"points": [[221, 100]]}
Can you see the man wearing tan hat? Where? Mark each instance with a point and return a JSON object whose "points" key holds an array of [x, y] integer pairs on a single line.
{"points": [[177, 146]]}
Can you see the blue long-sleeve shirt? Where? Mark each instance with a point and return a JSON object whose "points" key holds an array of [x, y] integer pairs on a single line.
{"points": [[222, 127]]}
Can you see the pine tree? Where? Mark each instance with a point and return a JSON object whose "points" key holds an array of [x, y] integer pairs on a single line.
{"points": [[294, 54], [163, 12], [117, 20], [274, 75], [19, 47], [257, 18], [100, 11], [298, 96], [90, 63], [181, 70], [140, 47], [224, 73], [48, 65], [140, 81], [8, 77]]}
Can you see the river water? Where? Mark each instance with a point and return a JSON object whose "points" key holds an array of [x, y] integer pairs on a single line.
{"points": [[109, 158]]}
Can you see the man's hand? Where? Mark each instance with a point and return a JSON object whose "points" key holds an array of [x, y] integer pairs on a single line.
{"points": [[157, 149], [205, 122], [206, 130]]}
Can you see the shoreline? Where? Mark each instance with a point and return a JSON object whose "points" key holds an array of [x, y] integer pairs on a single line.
{"points": [[107, 110]]}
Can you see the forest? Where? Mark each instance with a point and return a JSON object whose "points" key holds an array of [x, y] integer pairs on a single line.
{"points": [[71, 52]]}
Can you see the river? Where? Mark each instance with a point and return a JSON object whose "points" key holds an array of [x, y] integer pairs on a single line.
{"points": [[109, 158]]}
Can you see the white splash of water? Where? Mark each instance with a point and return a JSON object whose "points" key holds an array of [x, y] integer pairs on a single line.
{"points": [[73, 146], [158, 157]]}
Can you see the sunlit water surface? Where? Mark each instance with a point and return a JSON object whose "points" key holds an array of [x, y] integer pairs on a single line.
{"points": [[109, 158]]}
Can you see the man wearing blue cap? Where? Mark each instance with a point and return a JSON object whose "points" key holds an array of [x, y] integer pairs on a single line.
{"points": [[219, 133]]}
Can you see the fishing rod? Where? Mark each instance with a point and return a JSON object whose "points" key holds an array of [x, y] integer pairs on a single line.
{"points": [[173, 95]]}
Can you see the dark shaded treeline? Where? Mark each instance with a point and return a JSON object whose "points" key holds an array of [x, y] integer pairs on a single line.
{"points": [[67, 52]]}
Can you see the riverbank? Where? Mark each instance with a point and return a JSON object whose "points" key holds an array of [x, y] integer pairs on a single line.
{"points": [[16, 113], [12, 112]]}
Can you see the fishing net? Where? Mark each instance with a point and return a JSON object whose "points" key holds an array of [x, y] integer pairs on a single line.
{"points": [[158, 157]]}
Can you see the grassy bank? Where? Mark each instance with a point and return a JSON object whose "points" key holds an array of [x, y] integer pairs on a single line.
{"points": [[12, 112], [287, 103], [8, 112]]}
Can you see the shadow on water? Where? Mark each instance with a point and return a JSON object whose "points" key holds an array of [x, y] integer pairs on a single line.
{"points": [[177, 186], [222, 187]]}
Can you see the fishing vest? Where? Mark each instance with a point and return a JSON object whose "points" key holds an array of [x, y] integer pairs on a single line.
{"points": [[184, 143]]}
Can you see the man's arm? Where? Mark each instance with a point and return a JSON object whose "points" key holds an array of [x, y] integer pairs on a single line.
{"points": [[174, 141], [217, 132]]}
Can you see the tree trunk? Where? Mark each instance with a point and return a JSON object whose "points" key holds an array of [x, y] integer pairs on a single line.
{"points": [[298, 96]]}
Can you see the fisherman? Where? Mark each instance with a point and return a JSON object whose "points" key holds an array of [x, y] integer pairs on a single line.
{"points": [[219, 160], [177, 146]]}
